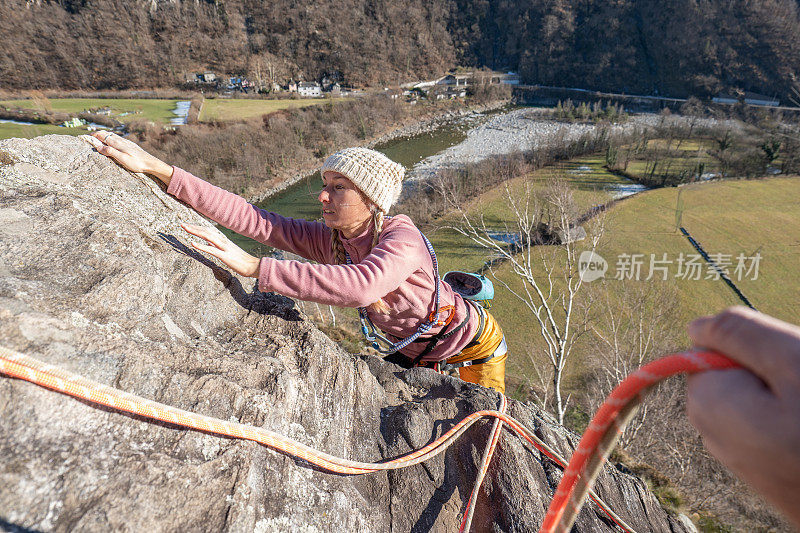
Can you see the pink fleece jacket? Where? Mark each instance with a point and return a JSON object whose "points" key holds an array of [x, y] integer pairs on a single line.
{"points": [[399, 269]]}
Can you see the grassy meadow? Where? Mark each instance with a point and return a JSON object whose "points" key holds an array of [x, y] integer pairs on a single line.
{"points": [[158, 111], [122, 109], [9, 130], [726, 217], [229, 109]]}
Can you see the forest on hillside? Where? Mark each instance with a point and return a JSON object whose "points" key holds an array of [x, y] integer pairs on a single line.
{"points": [[668, 47]]}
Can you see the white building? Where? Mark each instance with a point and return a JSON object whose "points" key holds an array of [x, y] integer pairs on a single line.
{"points": [[309, 89]]}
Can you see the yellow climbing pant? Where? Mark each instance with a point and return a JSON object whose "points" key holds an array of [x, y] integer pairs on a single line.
{"points": [[492, 373]]}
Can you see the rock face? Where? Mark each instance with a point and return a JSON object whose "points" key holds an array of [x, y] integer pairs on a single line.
{"points": [[96, 277]]}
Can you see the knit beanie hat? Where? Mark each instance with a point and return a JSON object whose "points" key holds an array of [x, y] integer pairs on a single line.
{"points": [[377, 176]]}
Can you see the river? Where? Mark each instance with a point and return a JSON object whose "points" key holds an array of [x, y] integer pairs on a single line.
{"points": [[466, 139], [181, 112], [300, 200]]}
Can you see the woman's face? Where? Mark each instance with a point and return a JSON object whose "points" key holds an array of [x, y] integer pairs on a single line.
{"points": [[343, 206]]}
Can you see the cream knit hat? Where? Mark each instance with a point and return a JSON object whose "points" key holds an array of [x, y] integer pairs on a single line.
{"points": [[377, 176]]}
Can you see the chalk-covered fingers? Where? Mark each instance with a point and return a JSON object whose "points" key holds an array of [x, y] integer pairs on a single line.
{"points": [[111, 139], [768, 347], [120, 143], [124, 152]]}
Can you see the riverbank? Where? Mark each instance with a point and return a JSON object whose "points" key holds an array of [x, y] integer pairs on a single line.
{"points": [[438, 121], [516, 131], [398, 131], [527, 128]]}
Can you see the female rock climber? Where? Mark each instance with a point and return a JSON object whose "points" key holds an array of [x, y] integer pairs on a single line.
{"points": [[365, 259]]}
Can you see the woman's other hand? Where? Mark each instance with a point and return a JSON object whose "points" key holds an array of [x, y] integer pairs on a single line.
{"points": [[750, 419], [130, 155], [222, 248]]}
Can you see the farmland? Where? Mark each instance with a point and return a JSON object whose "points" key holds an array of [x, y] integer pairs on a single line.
{"points": [[222, 109], [727, 217], [122, 109], [158, 111]]}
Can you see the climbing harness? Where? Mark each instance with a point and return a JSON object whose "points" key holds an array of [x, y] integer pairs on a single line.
{"points": [[373, 335], [473, 287], [575, 485], [502, 348]]}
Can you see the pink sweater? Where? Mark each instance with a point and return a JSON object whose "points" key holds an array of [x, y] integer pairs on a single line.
{"points": [[399, 269]]}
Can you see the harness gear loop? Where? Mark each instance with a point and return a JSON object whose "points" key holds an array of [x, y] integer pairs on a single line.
{"points": [[444, 366]]}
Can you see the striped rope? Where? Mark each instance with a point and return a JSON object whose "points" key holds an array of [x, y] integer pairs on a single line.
{"points": [[575, 484]]}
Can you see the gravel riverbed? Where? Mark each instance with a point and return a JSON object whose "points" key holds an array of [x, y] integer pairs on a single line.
{"points": [[520, 130], [515, 131]]}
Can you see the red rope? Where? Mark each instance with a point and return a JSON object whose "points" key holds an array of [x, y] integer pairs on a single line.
{"points": [[603, 430]]}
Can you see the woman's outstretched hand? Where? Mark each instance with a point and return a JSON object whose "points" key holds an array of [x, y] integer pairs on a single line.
{"points": [[222, 248], [130, 155]]}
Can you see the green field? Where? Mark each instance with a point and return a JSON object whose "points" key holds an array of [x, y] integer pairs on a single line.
{"points": [[729, 217], [8, 130], [158, 111], [223, 109], [123, 109]]}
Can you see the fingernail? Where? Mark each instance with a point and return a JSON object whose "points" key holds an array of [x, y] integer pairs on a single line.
{"points": [[91, 140]]}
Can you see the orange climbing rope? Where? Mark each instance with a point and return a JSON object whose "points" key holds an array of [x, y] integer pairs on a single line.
{"points": [[575, 484], [604, 429], [494, 438]]}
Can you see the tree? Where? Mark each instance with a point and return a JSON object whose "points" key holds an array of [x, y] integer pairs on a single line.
{"points": [[771, 147], [543, 256], [639, 322]]}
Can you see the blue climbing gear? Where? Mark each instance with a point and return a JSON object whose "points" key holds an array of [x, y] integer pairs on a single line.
{"points": [[474, 287]]}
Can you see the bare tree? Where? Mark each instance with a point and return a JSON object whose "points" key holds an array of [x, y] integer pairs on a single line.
{"points": [[543, 255], [638, 322]]}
